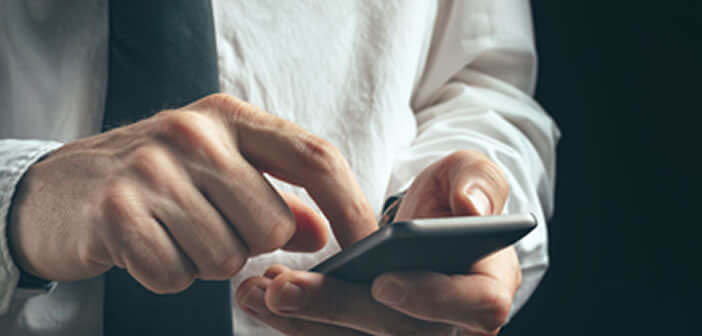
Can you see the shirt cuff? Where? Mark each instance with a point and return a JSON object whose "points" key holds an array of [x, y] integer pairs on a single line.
{"points": [[16, 156]]}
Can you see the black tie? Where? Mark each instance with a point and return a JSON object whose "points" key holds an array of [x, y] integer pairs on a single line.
{"points": [[162, 54]]}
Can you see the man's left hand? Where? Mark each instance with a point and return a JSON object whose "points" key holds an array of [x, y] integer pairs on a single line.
{"points": [[465, 183]]}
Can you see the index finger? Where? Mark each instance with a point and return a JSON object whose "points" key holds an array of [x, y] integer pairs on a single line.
{"points": [[292, 154]]}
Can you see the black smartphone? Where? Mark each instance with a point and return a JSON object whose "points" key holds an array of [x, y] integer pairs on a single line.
{"points": [[446, 245]]}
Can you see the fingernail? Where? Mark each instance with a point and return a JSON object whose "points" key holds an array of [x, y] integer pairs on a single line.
{"points": [[291, 298], [255, 300], [480, 201], [391, 292]]}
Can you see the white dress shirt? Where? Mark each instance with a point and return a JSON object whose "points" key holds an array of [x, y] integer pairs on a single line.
{"points": [[395, 85]]}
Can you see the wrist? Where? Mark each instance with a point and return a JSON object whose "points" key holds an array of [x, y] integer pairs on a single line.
{"points": [[19, 215], [27, 280]]}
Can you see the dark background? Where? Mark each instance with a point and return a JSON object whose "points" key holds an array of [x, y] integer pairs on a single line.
{"points": [[622, 79]]}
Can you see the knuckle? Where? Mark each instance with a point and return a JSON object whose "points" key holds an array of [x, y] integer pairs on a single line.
{"points": [[280, 232], [484, 164], [197, 135], [480, 162], [165, 272], [224, 267], [471, 154], [226, 106], [187, 125], [160, 271], [457, 160], [462, 156], [497, 307], [129, 233], [494, 175], [170, 282], [118, 200], [123, 225], [148, 161], [320, 155], [221, 101]]}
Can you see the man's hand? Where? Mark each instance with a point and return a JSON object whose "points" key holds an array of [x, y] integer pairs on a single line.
{"points": [[476, 303], [181, 195]]}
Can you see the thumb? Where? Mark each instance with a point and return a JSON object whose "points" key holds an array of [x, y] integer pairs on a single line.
{"points": [[311, 232], [478, 186]]}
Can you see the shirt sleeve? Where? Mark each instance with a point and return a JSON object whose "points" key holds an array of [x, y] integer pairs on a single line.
{"points": [[16, 156], [475, 93]]}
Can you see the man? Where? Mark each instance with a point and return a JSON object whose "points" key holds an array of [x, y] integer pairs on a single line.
{"points": [[350, 101]]}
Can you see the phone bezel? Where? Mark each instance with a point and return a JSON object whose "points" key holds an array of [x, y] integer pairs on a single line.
{"points": [[469, 226]]}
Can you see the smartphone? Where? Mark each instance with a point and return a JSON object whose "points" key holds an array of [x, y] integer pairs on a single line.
{"points": [[446, 245]]}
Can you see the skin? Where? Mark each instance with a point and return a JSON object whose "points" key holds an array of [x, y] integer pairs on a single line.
{"points": [[180, 196], [465, 183]]}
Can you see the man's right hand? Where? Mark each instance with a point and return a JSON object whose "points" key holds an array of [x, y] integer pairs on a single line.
{"points": [[180, 196]]}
